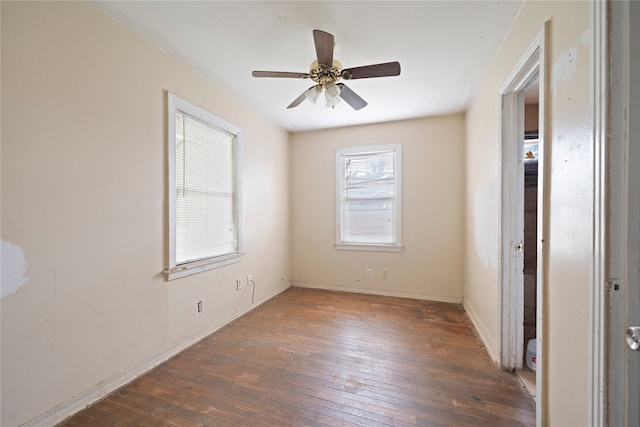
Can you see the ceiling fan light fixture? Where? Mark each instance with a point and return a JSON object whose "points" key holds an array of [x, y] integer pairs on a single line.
{"points": [[313, 93], [331, 95], [331, 103]]}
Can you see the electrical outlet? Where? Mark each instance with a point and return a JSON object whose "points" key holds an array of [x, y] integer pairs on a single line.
{"points": [[249, 279], [200, 307], [369, 273], [238, 284], [385, 274]]}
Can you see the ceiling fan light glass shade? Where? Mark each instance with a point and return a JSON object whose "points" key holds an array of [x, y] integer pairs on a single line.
{"points": [[313, 93], [331, 95], [331, 103], [331, 91]]}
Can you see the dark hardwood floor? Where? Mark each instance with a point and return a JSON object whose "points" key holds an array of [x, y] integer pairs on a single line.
{"points": [[320, 358]]}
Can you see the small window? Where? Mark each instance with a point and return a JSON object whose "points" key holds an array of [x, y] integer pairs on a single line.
{"points": [[204, 190], [368, 198]]}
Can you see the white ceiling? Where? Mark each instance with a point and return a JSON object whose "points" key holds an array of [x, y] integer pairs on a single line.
{"points": [[444, 48]]}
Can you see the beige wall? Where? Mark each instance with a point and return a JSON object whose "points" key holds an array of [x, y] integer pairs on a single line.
{"points": [[433, 204], [84, 206], [569, 212]]}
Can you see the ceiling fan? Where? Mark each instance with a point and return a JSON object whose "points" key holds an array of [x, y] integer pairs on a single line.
{"points": [[327, 72]]}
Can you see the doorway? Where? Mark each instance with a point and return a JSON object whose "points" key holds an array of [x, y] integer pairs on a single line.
{"points": [[527, 373], [522, 245]]}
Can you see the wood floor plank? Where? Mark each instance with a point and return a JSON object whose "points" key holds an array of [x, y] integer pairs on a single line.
{"points": [[321, 358]]}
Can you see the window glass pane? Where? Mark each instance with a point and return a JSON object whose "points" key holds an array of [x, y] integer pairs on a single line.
{"points": [[368, 199], [530, 151]]}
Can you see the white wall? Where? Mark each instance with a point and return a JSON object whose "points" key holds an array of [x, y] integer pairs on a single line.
{"points": [[569, 212], [84, 209], [433, 207]]}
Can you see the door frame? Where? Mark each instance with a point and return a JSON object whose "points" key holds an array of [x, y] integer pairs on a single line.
{"points": [[533, 64], [598, 287]]}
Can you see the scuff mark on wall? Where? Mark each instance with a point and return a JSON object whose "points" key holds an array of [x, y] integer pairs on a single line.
{"points": [[586, 38], [14, 268], [564, 68], [280, 18], [486, 203]]}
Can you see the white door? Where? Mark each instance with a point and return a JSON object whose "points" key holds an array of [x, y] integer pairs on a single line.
{"points": [[624, 175], [633, 256]]}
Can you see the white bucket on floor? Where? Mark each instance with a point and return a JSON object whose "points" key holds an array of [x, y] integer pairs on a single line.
{"points": [[531, 354]]}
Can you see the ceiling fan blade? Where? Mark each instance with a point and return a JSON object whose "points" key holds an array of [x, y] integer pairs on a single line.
{"points": [[301, 98], [324, 47], [351, 97], [285, 74], [297, 101], [387, 69]]}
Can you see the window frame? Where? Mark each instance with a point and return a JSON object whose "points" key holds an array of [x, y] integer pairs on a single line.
{"points": [[397, 245], [175, 271]]}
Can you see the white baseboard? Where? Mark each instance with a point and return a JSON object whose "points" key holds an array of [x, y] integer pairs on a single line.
{"points": [[111, 384], [482, 331], [331, 287]]}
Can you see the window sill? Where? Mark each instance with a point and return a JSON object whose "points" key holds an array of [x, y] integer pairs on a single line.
{"points": [[374, 247], [200, 266]]}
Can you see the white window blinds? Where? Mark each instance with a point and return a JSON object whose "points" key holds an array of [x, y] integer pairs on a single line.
{"points": [[205, 190], [369, 195]]}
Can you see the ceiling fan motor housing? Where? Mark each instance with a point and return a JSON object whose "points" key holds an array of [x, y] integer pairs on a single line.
{"points": [[324, 75]]}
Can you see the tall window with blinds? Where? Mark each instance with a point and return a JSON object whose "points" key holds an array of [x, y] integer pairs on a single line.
{"points": [[368, 190], [204, 193]]}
